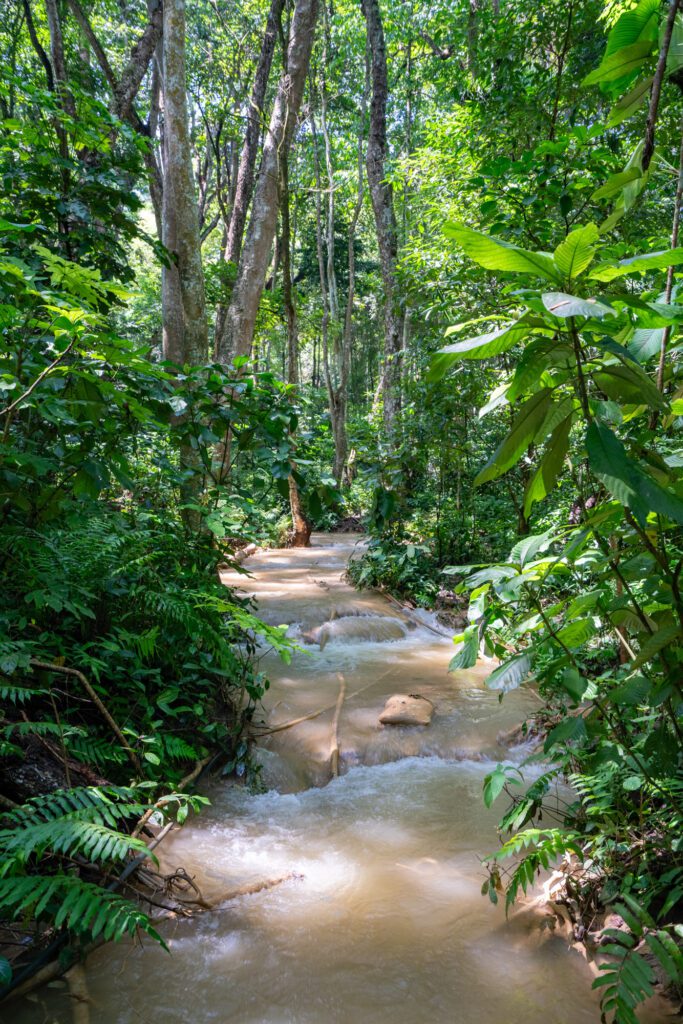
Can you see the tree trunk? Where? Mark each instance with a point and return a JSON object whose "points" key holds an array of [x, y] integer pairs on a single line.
{"points": [[185, 335], [247, 166], [244, 181], [383, 207], [240, 321]]}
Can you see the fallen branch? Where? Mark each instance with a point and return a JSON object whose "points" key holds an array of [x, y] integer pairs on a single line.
{"points": [[334, 746], [315, 714]]}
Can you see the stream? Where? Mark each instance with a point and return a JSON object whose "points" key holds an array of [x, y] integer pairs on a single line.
{"points": [[383, 919]]}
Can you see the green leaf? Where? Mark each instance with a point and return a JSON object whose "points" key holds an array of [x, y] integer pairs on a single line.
{"points": [[5, 972], [576, 633], [495, 254], [545, 476], [616, 183], [494, 783], [571, 728], [573, 683], [481, 347], [510, 674], [645, 343], [664, 636], [629, 384], [620, 63], [576, 252], [638, 23], [628, 104], [526, 548], [661, 260], [625, 479], [525, 425], [562, 305], [467, 655]]}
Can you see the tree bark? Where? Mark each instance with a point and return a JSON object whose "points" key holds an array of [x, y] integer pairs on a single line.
{"points": [[381, 195], [301, 527], [247, 165], [240, 321], [185, 334], [246, 172]]}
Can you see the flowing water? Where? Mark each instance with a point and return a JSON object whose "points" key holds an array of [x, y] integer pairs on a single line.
{"points": [[382, 920]]}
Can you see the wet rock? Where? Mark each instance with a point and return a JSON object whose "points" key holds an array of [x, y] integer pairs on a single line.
{"points": [[407, 709]]}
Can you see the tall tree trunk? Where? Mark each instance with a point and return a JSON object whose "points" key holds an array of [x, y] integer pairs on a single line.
{"points": [[246, 172], [301, 527], [240, 321], [342, 471], [185, 335], [383, 207], [247, 165]]}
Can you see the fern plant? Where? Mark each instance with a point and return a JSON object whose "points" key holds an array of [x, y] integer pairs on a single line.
{"points": [[48, 842]]}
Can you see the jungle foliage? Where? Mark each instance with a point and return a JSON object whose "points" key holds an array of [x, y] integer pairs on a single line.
{"points": [[515, 454]]}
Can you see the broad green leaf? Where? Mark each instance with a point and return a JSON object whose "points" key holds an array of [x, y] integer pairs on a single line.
{"points": [[629, 103], [616, 183], [576, 252], [664, 636], [576, 633], [645, 343], [525, 549], [495, 254], [572, 728], [638, 265], [484, 346], [634, 691], [459, 328], [674, 58], [5, 972], [629, 384], [510, 674], [573, 683], [494, 783], [524, 428], [467, 655], [625, 479], [545, 476], [641, 22], [621, 63], [562, 305]]}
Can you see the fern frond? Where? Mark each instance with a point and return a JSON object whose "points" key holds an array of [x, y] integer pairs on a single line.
{"points": [[68, 836], [74, 904]]}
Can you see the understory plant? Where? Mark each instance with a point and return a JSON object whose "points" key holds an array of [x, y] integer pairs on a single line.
{"points": [[591, 608]]}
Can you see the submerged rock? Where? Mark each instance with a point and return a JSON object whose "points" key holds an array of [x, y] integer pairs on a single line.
{"points": [[407, 709], [356, 629]]}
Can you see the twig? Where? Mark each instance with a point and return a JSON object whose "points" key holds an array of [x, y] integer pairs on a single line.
{"points": [[63, 670], [41, 376], [649, 145], [188, 780]]}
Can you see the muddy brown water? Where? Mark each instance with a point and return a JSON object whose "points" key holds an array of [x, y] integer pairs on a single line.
{"points": [[385, 922]]}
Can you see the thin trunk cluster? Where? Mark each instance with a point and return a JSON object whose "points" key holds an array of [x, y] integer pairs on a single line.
{"points": [[381, 194]]}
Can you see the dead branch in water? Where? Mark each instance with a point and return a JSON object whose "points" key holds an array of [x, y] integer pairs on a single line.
{"points": [[334, 746], [321, 711], [78, 993]]}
